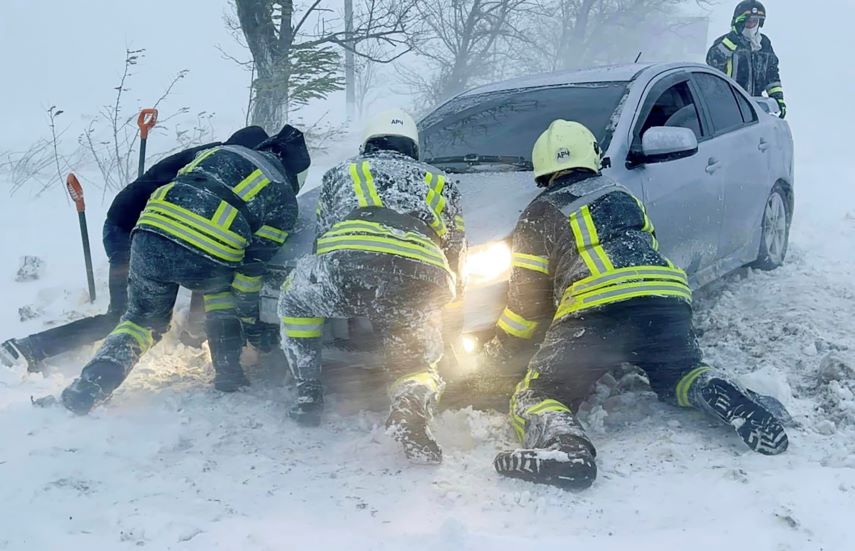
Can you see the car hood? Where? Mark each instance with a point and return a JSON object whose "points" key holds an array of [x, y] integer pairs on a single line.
{"points": [[491, 202]]}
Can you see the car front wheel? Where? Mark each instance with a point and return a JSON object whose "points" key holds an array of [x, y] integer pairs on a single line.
{"points": [[775, 231]]}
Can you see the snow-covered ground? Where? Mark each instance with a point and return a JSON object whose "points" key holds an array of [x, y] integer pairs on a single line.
{"points": [[169, 464]]}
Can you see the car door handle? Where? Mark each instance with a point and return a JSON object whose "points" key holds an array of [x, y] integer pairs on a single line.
{"points": [[764, 145], [713, 166]]}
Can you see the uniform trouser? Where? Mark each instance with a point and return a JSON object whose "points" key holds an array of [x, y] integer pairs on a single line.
{"points": [[158, 267], [58, 340], [404, 311], [652, 333]]}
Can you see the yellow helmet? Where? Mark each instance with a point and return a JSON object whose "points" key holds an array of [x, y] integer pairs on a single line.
{"points": [[563, 146]]}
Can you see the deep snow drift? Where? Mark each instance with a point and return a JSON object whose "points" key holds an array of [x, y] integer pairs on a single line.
{"points": [[169, 464]]}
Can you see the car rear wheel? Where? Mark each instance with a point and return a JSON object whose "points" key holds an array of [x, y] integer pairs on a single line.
{"points": [[775, 236]]}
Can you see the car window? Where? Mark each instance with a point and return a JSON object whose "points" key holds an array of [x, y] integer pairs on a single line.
{"points": [[749, 114], [719, 96], [675, 107], [507, 123]]}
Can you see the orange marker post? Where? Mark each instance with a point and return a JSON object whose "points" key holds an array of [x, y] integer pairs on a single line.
{"points": [[146, 121]]}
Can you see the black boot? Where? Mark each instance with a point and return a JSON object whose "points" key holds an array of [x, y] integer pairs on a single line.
{"points": [[19, 353], [759, 429], [225, 339], [94, 386], [567, 462], [408, 424], [310, 403]]}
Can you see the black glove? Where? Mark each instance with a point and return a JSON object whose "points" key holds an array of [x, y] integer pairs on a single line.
{"points": [[782, 105], [264, 337]]}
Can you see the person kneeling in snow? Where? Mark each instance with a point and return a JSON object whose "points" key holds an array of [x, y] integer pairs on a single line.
{"points": [[124, 212], [585, 250], [389, 243], [212, 229]]}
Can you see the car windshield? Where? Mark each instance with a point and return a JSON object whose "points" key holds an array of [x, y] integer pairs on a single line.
{"points": [[496, 130]]}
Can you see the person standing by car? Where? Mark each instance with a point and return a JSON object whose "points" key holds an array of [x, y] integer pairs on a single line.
{"points": [[746, 55], [121, 218], [390, 242], [212, 229], [585, 253]]}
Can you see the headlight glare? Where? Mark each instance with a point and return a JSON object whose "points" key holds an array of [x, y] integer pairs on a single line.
{"points": [[488, 263]]}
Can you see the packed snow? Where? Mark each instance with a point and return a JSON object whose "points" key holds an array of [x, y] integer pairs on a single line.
{"points": [[171, 464]]}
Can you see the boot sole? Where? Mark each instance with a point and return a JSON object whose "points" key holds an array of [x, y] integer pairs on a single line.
{"points": [[759, 429], [553, 467]]}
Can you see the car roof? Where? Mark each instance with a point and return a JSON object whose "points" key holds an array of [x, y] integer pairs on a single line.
{"points": [[611, 73]]}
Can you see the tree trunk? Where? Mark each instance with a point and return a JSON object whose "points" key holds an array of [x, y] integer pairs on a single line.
{"points": [[270, 109]]}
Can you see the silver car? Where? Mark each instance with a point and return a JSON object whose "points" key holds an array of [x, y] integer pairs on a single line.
{"points": [[713, 166]]}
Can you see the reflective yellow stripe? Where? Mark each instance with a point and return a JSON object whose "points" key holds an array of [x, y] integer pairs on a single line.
{"points": [[142, 335], [303, 328], [273, 234], [160, 193], [518, 423], [250, 186], [192, 237], [348, 227], [369, 185], [625, 275], [217, 302], [588, 242], [247, 284], [357, 186], [436, 202], [729, 43], [686, 383], [531, 262], [459, 223], [514, 324], [775, 90], [547, 405], [382, 245], [571, 303], [195, 221], [224, 215], [423, 378], [728, 69], [199, 158], [360, 235]]}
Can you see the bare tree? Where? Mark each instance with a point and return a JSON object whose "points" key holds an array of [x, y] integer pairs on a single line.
{"points": [[366, 77], [113, 149], [296, 49], [569, 34], [459, 42]]}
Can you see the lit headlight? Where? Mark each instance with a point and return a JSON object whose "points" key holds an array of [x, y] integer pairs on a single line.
{"points": [[488, 263]]}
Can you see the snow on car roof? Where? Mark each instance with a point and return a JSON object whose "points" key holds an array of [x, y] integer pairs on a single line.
{"points": [[611, 73]]}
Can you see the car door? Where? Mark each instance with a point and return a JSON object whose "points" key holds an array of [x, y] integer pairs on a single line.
{"points": [[743, 151], [683, 196]]}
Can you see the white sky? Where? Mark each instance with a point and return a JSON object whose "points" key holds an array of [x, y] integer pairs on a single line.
{"points": [[70, 53]]}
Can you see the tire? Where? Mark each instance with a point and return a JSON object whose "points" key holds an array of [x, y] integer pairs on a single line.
{"points": [[775, 231]]}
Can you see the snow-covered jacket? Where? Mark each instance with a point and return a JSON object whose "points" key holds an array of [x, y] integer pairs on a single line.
{"points": [[584, 243], [388, 204], [757, 72], [231, 204]]}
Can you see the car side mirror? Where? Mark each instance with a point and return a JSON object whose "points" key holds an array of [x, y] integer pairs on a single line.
{"points": [[667, 143]]}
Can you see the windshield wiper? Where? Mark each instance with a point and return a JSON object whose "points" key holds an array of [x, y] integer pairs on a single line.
{"points": [[474, 159]]}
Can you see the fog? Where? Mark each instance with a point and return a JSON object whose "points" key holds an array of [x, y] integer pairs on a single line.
{"points": [[71, 54]]}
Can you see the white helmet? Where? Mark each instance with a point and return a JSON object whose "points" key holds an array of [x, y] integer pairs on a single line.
{"points": [[392, 123]]}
